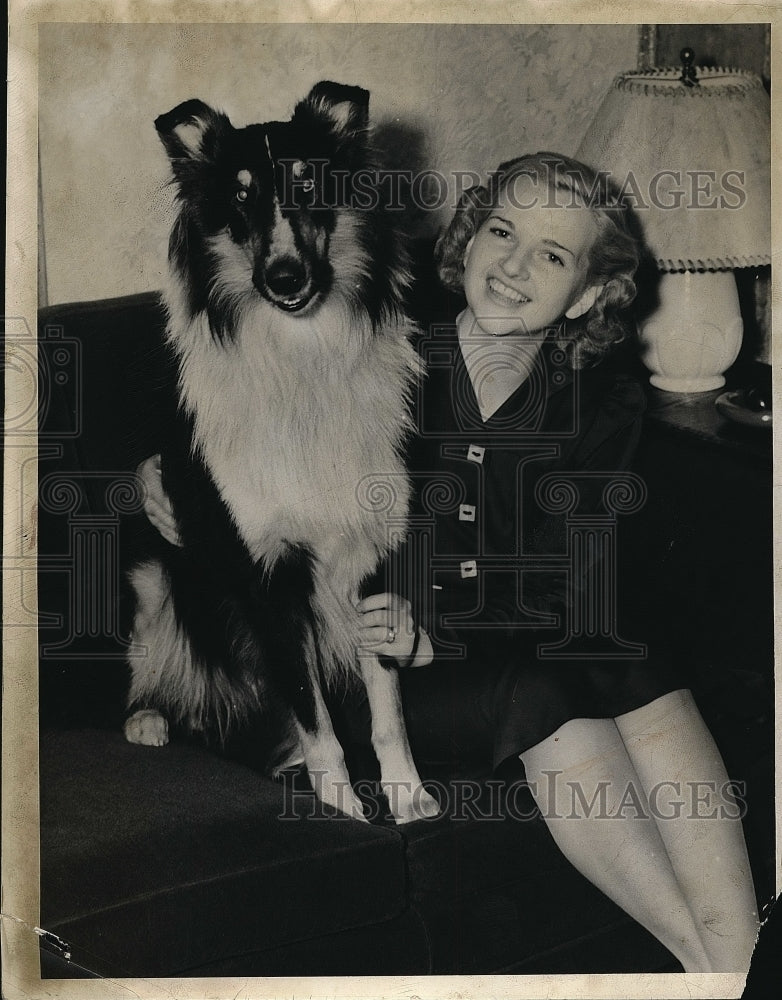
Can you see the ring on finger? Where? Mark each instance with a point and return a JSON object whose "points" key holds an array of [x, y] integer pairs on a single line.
{"points": [[391, 634]]}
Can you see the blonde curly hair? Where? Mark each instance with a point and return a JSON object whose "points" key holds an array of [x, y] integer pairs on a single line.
{"points": [[613, 258]]}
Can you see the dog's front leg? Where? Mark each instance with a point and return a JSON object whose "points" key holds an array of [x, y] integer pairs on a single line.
{"points": [[399, 777], [325, 759], [291, 639]]}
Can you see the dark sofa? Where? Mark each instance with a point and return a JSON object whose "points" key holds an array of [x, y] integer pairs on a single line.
{"points": [[185, 862]]}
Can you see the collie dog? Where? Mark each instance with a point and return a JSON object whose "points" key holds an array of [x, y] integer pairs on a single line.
{"points": [[294, 376]]}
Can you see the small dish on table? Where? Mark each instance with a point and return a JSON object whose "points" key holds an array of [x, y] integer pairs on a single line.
{"points": [[750, 407]]}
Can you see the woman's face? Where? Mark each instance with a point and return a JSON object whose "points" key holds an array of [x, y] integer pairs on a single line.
{"points": [[527, 266]]}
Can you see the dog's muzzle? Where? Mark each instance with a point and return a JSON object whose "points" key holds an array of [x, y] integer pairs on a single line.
{"points": [[287, 283]]}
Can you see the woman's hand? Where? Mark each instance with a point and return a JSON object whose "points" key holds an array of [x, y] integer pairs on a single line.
{"points": [[157, 505], [387, 629]]}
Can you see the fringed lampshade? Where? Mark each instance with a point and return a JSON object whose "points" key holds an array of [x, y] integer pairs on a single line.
{"points": [[691, 152]]}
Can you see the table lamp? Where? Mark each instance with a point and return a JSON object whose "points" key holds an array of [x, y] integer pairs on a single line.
{"points": [[691, 151]]}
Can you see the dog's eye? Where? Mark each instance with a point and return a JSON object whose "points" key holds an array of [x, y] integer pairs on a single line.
{"points": [[241, 195], [308, 185]]}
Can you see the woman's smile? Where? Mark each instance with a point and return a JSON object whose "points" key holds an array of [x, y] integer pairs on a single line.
{"points": [[505, 294]]}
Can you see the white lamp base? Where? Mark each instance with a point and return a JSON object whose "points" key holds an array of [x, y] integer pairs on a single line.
{"points": [[695, 333]]}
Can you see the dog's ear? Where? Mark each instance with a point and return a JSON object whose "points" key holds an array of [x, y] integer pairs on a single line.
{"points": [[345, 109], [192, 131]]}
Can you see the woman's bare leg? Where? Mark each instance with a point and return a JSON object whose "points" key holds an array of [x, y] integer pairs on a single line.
{"points": [[677, 761], [619, 849]]}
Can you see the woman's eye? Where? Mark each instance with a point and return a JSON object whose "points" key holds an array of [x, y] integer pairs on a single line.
{"points": [[499, 231], [242, 195], [554, 259]]}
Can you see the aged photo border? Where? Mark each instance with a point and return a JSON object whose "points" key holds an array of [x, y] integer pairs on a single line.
{"points": [[20, 873]]}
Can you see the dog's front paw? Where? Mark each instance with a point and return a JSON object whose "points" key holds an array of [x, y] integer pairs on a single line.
{"points": [[148, 728], [410, 803]]}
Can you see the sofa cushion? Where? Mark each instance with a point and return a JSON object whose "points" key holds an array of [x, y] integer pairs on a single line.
{"points": [[158, 860]]}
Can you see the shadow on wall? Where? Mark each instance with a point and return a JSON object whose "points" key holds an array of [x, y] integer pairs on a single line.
{"points": [[401, 150]]}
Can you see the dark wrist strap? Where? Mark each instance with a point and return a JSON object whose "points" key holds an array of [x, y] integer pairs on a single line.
{"points": [[414, 650]]}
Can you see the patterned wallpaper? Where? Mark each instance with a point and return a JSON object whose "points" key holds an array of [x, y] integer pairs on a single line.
{"points": [[444, 97]]}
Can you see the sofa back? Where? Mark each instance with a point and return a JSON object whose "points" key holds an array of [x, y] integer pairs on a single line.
{"points": [[102, 377]]}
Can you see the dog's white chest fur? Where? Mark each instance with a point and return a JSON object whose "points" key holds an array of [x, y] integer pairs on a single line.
{"points": [[302, 442]]}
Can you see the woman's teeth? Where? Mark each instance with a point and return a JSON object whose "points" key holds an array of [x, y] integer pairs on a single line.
{"points": [[506, 291]]}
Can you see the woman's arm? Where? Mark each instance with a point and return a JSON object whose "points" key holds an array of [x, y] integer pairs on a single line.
{"points": [[157, 505]]}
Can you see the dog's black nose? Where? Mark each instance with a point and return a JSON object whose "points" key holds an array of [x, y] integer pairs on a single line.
{"points": [[286, 277]]}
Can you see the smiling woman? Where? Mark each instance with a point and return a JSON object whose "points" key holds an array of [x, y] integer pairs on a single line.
{"points": [[548, 428]]}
